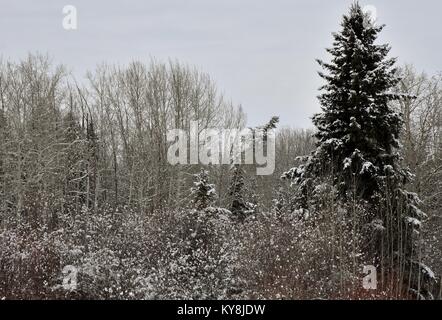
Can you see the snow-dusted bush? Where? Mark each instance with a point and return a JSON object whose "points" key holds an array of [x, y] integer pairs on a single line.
{"points": [[192, 254], [297, 256], [195, 255], [115, 254], [29, 262]]}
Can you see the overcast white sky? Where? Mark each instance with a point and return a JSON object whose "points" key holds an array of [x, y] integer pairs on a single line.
{"points": [[261, 53]]}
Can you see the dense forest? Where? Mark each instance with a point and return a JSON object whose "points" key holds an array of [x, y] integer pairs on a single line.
{"points": [[90, 208]]}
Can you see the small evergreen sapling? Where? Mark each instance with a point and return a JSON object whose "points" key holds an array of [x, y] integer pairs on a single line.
{"points": [[203, 192]]}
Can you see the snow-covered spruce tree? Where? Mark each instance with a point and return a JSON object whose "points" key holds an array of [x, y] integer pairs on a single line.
{"points": [[239, 206], [203, 192], [270, 125], [242, 195], [358, 147]]}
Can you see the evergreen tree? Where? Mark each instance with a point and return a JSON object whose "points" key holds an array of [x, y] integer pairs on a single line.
{"points": [[357, 139], [270, 125], [203, 192], [238, 204], [357, 131], [244, 200]]}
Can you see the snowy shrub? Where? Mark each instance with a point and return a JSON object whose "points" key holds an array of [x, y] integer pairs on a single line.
{"points": [[195, 258], [289, 257], [29, 261]]}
